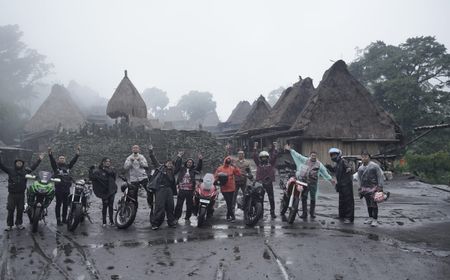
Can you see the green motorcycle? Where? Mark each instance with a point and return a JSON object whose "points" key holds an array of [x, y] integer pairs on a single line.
{"points": [[39, 196]]}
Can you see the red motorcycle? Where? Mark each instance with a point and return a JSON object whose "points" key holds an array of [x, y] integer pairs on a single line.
{"points": [[205, 196]]}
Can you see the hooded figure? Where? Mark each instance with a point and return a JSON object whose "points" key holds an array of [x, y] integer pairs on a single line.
{"points": [[186, 184], [265, 173], [164, 190], [105, 187], [62, 171], [344, 185], [229, 188], [17, 184], [309, 169]]}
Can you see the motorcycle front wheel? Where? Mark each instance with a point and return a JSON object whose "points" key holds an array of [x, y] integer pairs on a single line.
{"points": [[201, 216], [36, 217], [125, 215], [293, 210], [74, 217], [253, 213]]}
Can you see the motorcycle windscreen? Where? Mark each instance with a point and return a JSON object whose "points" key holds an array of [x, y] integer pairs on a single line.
{"points": [[45, 176], [208, 181]]}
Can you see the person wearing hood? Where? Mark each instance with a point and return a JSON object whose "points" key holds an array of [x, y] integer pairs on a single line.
{"points": [[229, 188], [186, 184], [17, 184], [371, 180], [105, 187], [62, 171], [309, 169], [265, 172], [344, 185], [165, 186]]}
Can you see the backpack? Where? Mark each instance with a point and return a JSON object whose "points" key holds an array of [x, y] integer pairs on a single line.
{"points": [[154, 180]]}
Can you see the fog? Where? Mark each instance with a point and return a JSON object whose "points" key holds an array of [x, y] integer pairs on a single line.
{"points": [[236, 50]]}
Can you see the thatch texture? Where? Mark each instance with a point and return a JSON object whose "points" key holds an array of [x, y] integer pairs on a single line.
{"points": [[259, 112], [341, 108], [239, 113], [58, 111], [290, 104], [126, 101]]}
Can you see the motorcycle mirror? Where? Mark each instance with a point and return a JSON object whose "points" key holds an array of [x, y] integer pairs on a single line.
{"points": [[55, 180], [29, 176], [123, 178]]}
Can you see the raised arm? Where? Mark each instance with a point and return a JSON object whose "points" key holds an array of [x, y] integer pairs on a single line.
{"points": [[3, 167], [36, 164], [298, 158], [273, 155], [155, 162], [255, 157], [324, 173], [73, 161], [52, 160], [199, 166]]}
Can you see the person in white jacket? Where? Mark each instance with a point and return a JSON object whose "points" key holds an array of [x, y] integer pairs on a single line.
{"points": [[136, 166]]}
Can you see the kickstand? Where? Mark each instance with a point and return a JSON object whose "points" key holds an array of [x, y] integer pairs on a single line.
{"points": [[89, 218]]}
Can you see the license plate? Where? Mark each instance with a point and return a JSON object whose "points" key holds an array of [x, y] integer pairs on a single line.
{"points": [[204, 201]]}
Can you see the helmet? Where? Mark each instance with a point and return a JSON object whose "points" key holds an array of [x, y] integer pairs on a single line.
{"points": [[263, 154], [334, 151]]}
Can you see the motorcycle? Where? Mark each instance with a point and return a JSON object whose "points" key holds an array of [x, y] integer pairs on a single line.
{"points": [[252, 202], [79, 204], [292, 191], [205, 196], [39, 196], [127, 204]]}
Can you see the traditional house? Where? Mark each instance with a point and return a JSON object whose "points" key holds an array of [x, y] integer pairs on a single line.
{"points": [[57, 112], [235, 120]]}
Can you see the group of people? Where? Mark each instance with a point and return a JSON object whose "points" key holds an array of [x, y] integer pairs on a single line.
{"points": [[176, 177]]}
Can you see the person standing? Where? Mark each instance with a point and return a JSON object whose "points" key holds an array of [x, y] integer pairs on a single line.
{"points": [[164, 189], [309, 169], [265, 172], [17, 184], [62, 170], [136, 165], [240, 180], [105, 187], [186, 184], [344, 186], [371, 180], [229, 188]]}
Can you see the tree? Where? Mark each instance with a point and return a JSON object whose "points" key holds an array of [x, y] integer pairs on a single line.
{"points": [[411, 81], [156, 100], [274, 95], [20, 69], [197, 104]]}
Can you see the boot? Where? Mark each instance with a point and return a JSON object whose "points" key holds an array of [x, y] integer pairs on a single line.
{"points": [[304, 209], [58, 222], [312, 209]]}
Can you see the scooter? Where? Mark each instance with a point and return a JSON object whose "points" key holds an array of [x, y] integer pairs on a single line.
{"points": [[39, 196], [79, 205], [205, 196]]}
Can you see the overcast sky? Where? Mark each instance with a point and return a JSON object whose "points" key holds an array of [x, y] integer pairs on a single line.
{"points": [[236, 50]]}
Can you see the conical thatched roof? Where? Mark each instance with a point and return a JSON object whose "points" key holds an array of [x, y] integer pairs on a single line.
{"points": [[57, 111], [126, 101], [290, 104], [239, 113], [341, 108], [259, 112]]}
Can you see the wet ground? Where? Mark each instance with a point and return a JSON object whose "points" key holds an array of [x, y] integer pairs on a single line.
{"points": [[413, 242]]}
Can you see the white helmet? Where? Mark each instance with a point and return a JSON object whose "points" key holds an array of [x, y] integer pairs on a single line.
{"points": [[264, 154], [335, 151]]}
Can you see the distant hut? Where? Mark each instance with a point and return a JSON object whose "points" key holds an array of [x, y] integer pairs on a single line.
{"points": [[58, 111], [342, 113], [126, 102], [284, 113], [259, 112], [237, 117]]}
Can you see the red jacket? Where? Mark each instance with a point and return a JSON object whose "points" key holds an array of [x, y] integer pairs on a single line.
{"points": [[232, 171]]}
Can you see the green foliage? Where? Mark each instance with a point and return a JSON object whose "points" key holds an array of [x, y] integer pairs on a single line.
{"points": [[20, 69], [434, 168], [197, 104], [410, 81]]}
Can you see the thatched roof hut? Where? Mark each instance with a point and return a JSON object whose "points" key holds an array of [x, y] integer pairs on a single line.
{"points": [[290, 104], [58, 111], [259, 112], [126, 101], [239, 113]]}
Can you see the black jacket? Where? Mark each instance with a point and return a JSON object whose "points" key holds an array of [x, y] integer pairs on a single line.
{"points": [[344, 176], [62, 171], [17, 183], [103, 182], [167, 178], [195, 169]]}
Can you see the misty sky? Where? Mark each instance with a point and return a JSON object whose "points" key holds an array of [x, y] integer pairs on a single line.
{"points": [[236, 50]]}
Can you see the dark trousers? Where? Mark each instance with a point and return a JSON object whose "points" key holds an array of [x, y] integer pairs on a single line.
{"points": [[228, 196], [239, 186], [269, 190], [108, 206], [163, 207], [16, 203], [62, 200], [182, 196], [346, 203], [372, 206]]}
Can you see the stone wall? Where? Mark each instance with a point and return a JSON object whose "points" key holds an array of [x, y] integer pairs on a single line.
{"points": [[96, 144]]}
